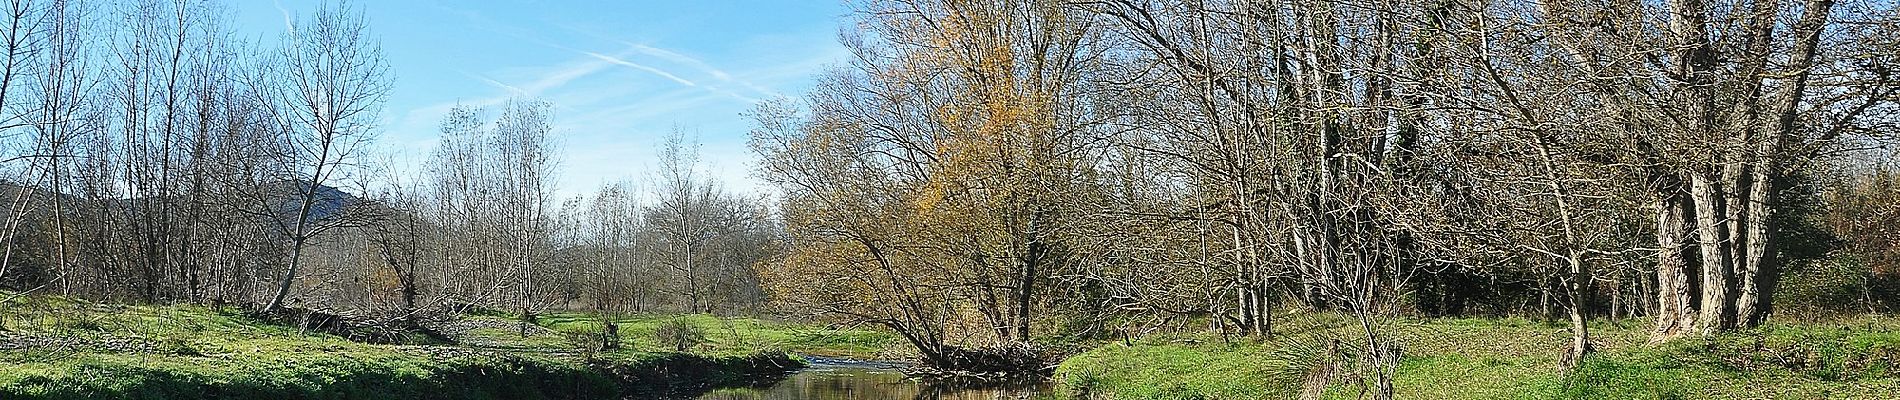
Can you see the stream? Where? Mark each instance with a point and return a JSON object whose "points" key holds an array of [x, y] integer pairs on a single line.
{"points": [[828, 380]]}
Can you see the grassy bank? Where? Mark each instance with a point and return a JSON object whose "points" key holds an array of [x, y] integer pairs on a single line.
{"points": [[733, 336], [55, 348], [1510, 359]]}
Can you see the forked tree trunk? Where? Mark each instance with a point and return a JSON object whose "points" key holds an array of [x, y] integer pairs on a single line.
{"points": [[1758, 258]]}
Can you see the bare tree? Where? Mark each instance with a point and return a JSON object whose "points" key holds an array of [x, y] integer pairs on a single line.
{"points": [[489, 183], [323, 89]]}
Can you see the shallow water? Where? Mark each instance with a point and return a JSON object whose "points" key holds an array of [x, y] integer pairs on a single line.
{"points": [[849, 382]]}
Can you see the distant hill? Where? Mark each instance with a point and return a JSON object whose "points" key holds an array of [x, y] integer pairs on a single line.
{"points": [[331, 202]]}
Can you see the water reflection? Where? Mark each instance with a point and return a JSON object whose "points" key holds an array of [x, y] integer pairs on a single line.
{"points": [[857, 383]]}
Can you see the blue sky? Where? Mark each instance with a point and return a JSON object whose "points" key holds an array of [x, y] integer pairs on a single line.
{"points": [[622, 74]]}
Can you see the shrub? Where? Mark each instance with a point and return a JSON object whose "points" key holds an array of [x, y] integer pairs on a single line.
{"points": [[679, 333], [179, 346], [1844, 282]]}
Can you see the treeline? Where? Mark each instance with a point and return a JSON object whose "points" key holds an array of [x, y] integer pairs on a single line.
{"points": [[152, 156], [682, 243], [479, 226], [986, 172]]}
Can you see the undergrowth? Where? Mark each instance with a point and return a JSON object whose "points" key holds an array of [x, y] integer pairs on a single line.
{"points": [[1510, 358]]}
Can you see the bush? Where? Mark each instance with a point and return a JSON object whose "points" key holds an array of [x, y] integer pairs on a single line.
{"points": [[584, 337], [680, 333], [1863, 213], [1843, 282]]}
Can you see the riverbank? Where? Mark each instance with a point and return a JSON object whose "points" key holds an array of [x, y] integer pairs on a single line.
{"points": [[1509, 358], [56, 348]]}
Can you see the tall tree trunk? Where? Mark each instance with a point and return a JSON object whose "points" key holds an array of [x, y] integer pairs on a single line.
{"points": [[1674, 315], [1579, 326], [290, 276], [1757, 258], [1244, 289], [1715, 314], [1751, 304], [1025, 292], [1734, 188]]}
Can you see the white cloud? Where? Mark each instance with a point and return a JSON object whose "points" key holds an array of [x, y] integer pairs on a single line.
{"points": [[499, 85], [703, 66], [289, 24], [562, 76], [630, 64]]}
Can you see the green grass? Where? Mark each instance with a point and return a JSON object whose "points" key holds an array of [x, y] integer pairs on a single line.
{"points": [[107, 351], [1515, 359], [1172, 371], [102, 351], [87, 350], [726, 336]]}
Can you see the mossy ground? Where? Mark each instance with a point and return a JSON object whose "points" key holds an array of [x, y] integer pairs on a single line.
{"points": [[1516, 359], [57, 348]]}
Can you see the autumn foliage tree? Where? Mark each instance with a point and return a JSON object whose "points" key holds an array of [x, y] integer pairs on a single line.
{"points": [[938, 175]]}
